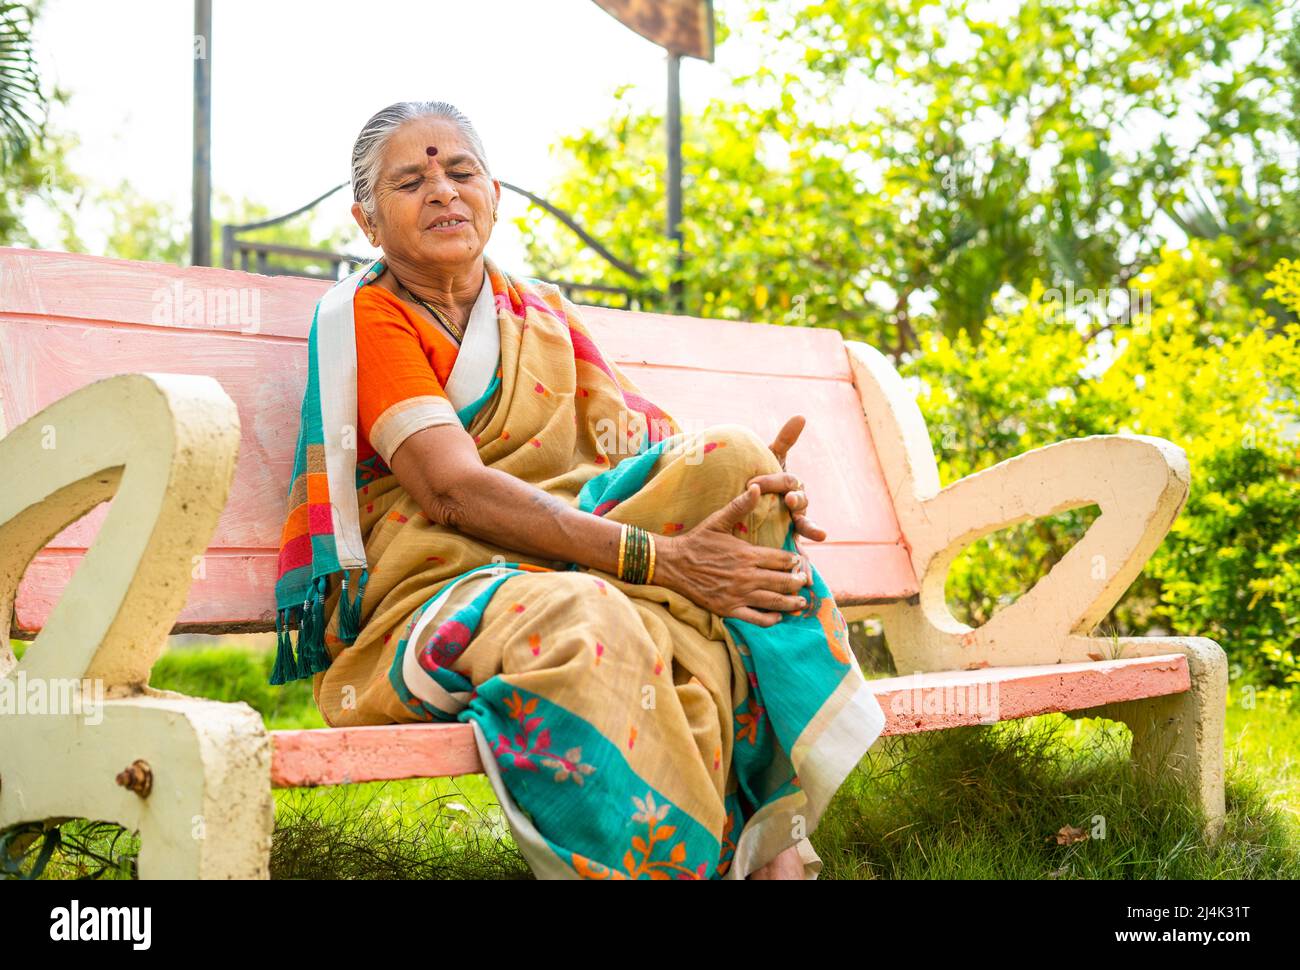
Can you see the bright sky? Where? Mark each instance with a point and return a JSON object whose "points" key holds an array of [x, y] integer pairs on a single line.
{"points": [[294, 81]]}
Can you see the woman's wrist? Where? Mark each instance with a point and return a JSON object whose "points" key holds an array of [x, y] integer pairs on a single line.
{"points": [[667, 558]]}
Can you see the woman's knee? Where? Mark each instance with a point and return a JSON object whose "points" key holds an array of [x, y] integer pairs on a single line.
{"points": [[557, 619], [746, 448]]}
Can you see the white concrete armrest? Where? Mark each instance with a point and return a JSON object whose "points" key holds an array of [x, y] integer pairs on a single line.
{"points": [[1140, 484], [162, 447]]}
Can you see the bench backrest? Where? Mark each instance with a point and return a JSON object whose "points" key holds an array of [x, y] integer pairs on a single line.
{"points": [[67, 320]]}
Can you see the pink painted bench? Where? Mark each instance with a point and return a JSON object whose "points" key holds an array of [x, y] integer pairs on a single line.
{"points": [[215, 365]]}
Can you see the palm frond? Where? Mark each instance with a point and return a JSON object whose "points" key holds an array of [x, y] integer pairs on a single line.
{"points": [[1209, 212], [20, 92]]}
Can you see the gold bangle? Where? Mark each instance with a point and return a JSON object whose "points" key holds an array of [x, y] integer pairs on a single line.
{"points": [[622, 545], [651, 575]]}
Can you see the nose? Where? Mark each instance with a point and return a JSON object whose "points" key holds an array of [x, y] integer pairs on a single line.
{"points": [[441, 189]]}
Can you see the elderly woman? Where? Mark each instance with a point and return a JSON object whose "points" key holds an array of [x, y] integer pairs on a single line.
{"points": [[489, 523]]}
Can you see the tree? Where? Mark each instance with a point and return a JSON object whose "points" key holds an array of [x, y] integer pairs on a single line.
{"points": [[20, 89], [779, 246], [1048, 143], [893, 164], [34, 171]]}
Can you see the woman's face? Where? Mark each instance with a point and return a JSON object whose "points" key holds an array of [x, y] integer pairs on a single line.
{"points": [[428, 176]]}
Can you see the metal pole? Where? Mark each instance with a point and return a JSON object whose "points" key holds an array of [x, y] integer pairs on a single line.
{"points": [[675, 176], [201, 205]]}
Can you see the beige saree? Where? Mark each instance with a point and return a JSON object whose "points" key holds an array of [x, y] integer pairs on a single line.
{"points": [[627, 732]]}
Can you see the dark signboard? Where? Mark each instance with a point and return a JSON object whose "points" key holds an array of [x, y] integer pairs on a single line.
{"points": [[681, 26]]}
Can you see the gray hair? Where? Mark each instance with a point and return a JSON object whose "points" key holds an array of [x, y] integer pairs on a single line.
{"points": [[368, 151]]}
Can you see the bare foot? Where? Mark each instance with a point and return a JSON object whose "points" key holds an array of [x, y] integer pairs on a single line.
{"points": [[787, 865]]}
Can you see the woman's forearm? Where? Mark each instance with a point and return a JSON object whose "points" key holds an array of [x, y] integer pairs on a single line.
{"points": [[496, 506]]}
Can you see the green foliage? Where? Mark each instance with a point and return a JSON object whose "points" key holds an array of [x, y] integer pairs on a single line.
{"points": [[1043, 139], [35, 175], [33, 162], [1193, 364], [892, 165], [21, 98], [139, 226], [776, 242], [1230, 570], [40, 173]]}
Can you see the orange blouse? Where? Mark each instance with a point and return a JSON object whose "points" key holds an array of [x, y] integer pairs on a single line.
{"points": [[403, 364]]}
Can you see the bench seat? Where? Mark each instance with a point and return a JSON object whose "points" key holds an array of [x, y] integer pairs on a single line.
{"points": [[344, 756], [173, 396]]}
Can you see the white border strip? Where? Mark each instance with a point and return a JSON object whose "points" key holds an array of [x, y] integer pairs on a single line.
{"points": [[476, 361], [417, 679], [336, 359]]}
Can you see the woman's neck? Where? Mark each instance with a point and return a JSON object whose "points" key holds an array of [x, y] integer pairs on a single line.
{"points": [[452, 293]]}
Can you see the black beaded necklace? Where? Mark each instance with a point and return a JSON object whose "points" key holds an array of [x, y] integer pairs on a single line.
{"points": [[450, 327]]}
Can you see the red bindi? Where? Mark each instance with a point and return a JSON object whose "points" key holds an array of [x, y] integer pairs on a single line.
{"points": [[431, 151]]}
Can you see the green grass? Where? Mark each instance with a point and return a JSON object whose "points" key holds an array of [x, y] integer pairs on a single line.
{"points": [[978, 802], [988, 803]]}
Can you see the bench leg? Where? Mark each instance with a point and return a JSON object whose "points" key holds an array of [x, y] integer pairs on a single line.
{"points": [[1182, 732], [207, 812]]}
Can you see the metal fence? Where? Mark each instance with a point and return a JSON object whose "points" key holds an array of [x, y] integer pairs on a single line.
{"points": [[274, 259]]}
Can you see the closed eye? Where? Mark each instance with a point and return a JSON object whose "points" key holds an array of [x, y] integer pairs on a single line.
{"points": [[459, 176]]}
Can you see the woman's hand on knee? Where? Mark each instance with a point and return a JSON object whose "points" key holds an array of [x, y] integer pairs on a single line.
{"points": [[729, 576]]}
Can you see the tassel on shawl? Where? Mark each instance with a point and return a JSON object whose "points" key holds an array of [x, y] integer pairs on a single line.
{"points": [[350, 613], [312, 655], [285, 669]]}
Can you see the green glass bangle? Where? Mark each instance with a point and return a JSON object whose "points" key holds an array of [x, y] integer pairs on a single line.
{"points": [[645, 556], [628, 569], [640, 554], [634, 550]]}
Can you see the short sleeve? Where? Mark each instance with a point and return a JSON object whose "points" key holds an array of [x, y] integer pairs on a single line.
{"points": [[398, 391]]}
